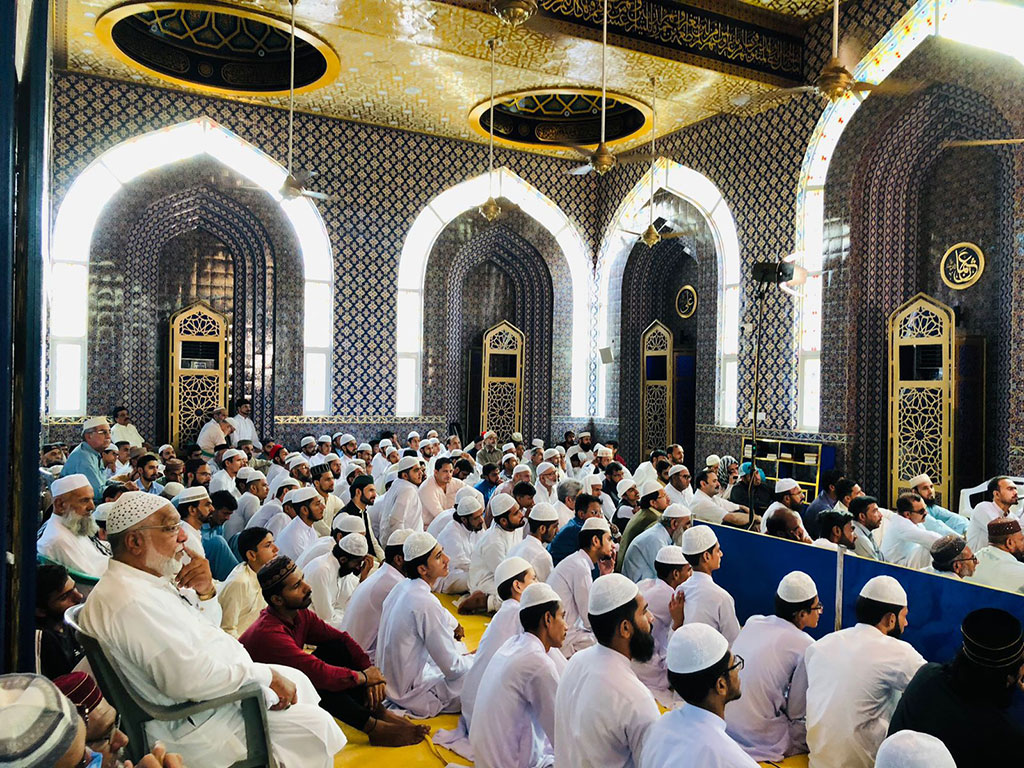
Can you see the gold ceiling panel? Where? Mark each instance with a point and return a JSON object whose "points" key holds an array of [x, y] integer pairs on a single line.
{"points": [[422, 66], [801, 9]]}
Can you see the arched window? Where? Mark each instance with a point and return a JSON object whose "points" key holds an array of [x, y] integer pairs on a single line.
{"points": [[68, 278], [701, 192], [982, 23]]}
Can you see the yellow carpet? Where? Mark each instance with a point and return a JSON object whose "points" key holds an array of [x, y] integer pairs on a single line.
{"points": [[359, 754]]}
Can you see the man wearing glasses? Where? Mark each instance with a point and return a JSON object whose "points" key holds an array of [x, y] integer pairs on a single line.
{"points": [[87, 458], [951, 557], [768, 722]]}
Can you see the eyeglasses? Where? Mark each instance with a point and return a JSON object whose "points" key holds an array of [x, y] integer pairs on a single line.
{"points": [[164, 528], [97, 744], [737, 663], [971, 559]]}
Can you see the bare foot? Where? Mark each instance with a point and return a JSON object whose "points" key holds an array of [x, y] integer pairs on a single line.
{"points": [[474, 603], [389, 734]]}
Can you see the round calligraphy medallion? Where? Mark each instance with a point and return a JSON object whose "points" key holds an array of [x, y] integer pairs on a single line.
{"points": [[962, 265], [686, 301]]}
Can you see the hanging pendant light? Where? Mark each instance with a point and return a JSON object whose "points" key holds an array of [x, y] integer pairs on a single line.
{"points": [[490, 210], [515, 13]]}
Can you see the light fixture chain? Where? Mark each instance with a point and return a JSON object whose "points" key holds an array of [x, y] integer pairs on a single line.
{"points": [[291, 90], [604, 68]]}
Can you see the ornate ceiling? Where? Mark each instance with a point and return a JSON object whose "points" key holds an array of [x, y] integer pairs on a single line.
{"points": [[423, 66]]}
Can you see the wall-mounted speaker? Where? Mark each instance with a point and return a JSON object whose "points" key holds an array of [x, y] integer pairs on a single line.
{"points": [[607, 355]]}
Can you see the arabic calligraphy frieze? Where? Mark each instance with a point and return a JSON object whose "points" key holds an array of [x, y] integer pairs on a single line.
{"points": [[962, 265], [691, 30]]}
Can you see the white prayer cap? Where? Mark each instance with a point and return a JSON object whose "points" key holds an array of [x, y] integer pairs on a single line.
{"points": [[466, 490], [508, 447], [785, 485], [651, 486], [694, 648], [509, 567], [67, 484], [307, 440], [244, 472], [412, 434], [593, 481], [469, 505], [337, 434], [490, 433], [407, 463], [574, 450], [538, 593], [543, 513], [455, 453], [713, 460], [282, 481], [100, 513], [544, 466], [324, 439], [583, 434], [509, 457], [363, 447], [132, 508], [232, 453], [297, 496], [332, 456], [913, 749], [517, 437], [609, 592], [885, 589], [230, 420], [164, 447], [550, 453], [431, 433], [698, 539], [670, 554], [171, 490], [521, 468], [391, 449], [604, 453], [502, 504], [317, 459], [560, 449], [537, 442], [429, 441], [386, 442], [398, 538], [676, 510], [417, 545], [796, 587], [919, 479], [189, 495], [295, 459], [254, 475], [348, 437], [353, 463], [40, 724], [596, 524], [354, 544], [675, 469], [98, 421], [624, 485], [348, 523]]}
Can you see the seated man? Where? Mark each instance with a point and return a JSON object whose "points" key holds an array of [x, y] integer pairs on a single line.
{"points": [[458, 539], [948, 522], [57, 650], [350, 687], [334, 576], [240, 597], [788, 495], [171, 654], [493, 547], [652, 502], [419, 644], [867, 518], [514, 726], [952, 557], [299, 533], [757, 497], [256, 490], [707, 602], [768, 722], [272, 515], [836, 529], [639, 561], [573, 577], [1001, 563], [784, 523], [1000, 500], [102, 723], [543, 522], [69, 536], [705, 674], [665, 602], [907, 541], [711, 508], [362, 616], [566, 541]]}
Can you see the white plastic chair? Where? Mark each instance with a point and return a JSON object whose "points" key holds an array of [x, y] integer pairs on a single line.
{"points": [[967, 509]]}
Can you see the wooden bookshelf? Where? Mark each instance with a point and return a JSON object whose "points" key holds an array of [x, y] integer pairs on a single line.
{"points": [[802, 461]]}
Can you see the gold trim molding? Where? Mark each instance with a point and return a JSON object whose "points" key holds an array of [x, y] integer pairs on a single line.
{"points": [[385, 419]]}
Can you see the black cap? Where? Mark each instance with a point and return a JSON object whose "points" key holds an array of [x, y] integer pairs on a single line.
{"points": [[993, 638]]}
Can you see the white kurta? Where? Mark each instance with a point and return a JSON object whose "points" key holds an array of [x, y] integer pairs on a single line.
{"points": [[440, 522], [248, 506], [295, 538], [503, 625], [603, 713], [241, 600], [129, 432], [638, 563], [906, 543], [691, 737], [265, 513], [767, 721], [362, 615], [434, 499], [564, 514], [492, 547], [331, 592], [772, 508], [855, 678], [545, 496], [423, 663], [572, 579], [400, 508], [245, 429], [536, 554], [654, 673], [320, 546], [458, 543], [222, 481], [210, 436], [515, 722], [332, 506], [708, 603], [62, 546], [977, 528], [684, 497], [998, 568], [132, 614], [707, 508]]}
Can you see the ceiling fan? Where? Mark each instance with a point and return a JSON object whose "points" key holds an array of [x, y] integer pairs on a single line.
{"points": [[984, 143], [602, 159], [833, 82]]}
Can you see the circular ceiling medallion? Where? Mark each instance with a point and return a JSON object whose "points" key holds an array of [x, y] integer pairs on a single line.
{"points": [[962, 265], [560, 116], [216, 48], [686, 301]]}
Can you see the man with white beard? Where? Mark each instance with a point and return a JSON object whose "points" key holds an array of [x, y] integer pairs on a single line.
{"points": [[69, 536], [547, 480], [639, 561], [171, 654]]}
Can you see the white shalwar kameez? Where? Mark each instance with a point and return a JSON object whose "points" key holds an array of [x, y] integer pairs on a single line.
{"points": [[767, 721], [222, 481], [691, 737], [248, 506], [270, 516], [423, 663], [564, 514], [572, 579], [708, 603], [708, 509], [331, 592], [603, 713], [491, 548], [210, 436], [654, 673], [171, 655], [855, 678], [295, 538], [62, 546], [907, 543], [126, 433], [245, 429], [434, 499], [684, 497], [362, 615], [322, 545], [515, 722], [998, 568], [536, 554], [458, 543], [638, 564], [440, 522], [977, 528], [399, 509], [544, 495]]}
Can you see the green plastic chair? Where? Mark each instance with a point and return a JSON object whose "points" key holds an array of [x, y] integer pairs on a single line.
{"points": [[136, 712], [81, 579]]}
